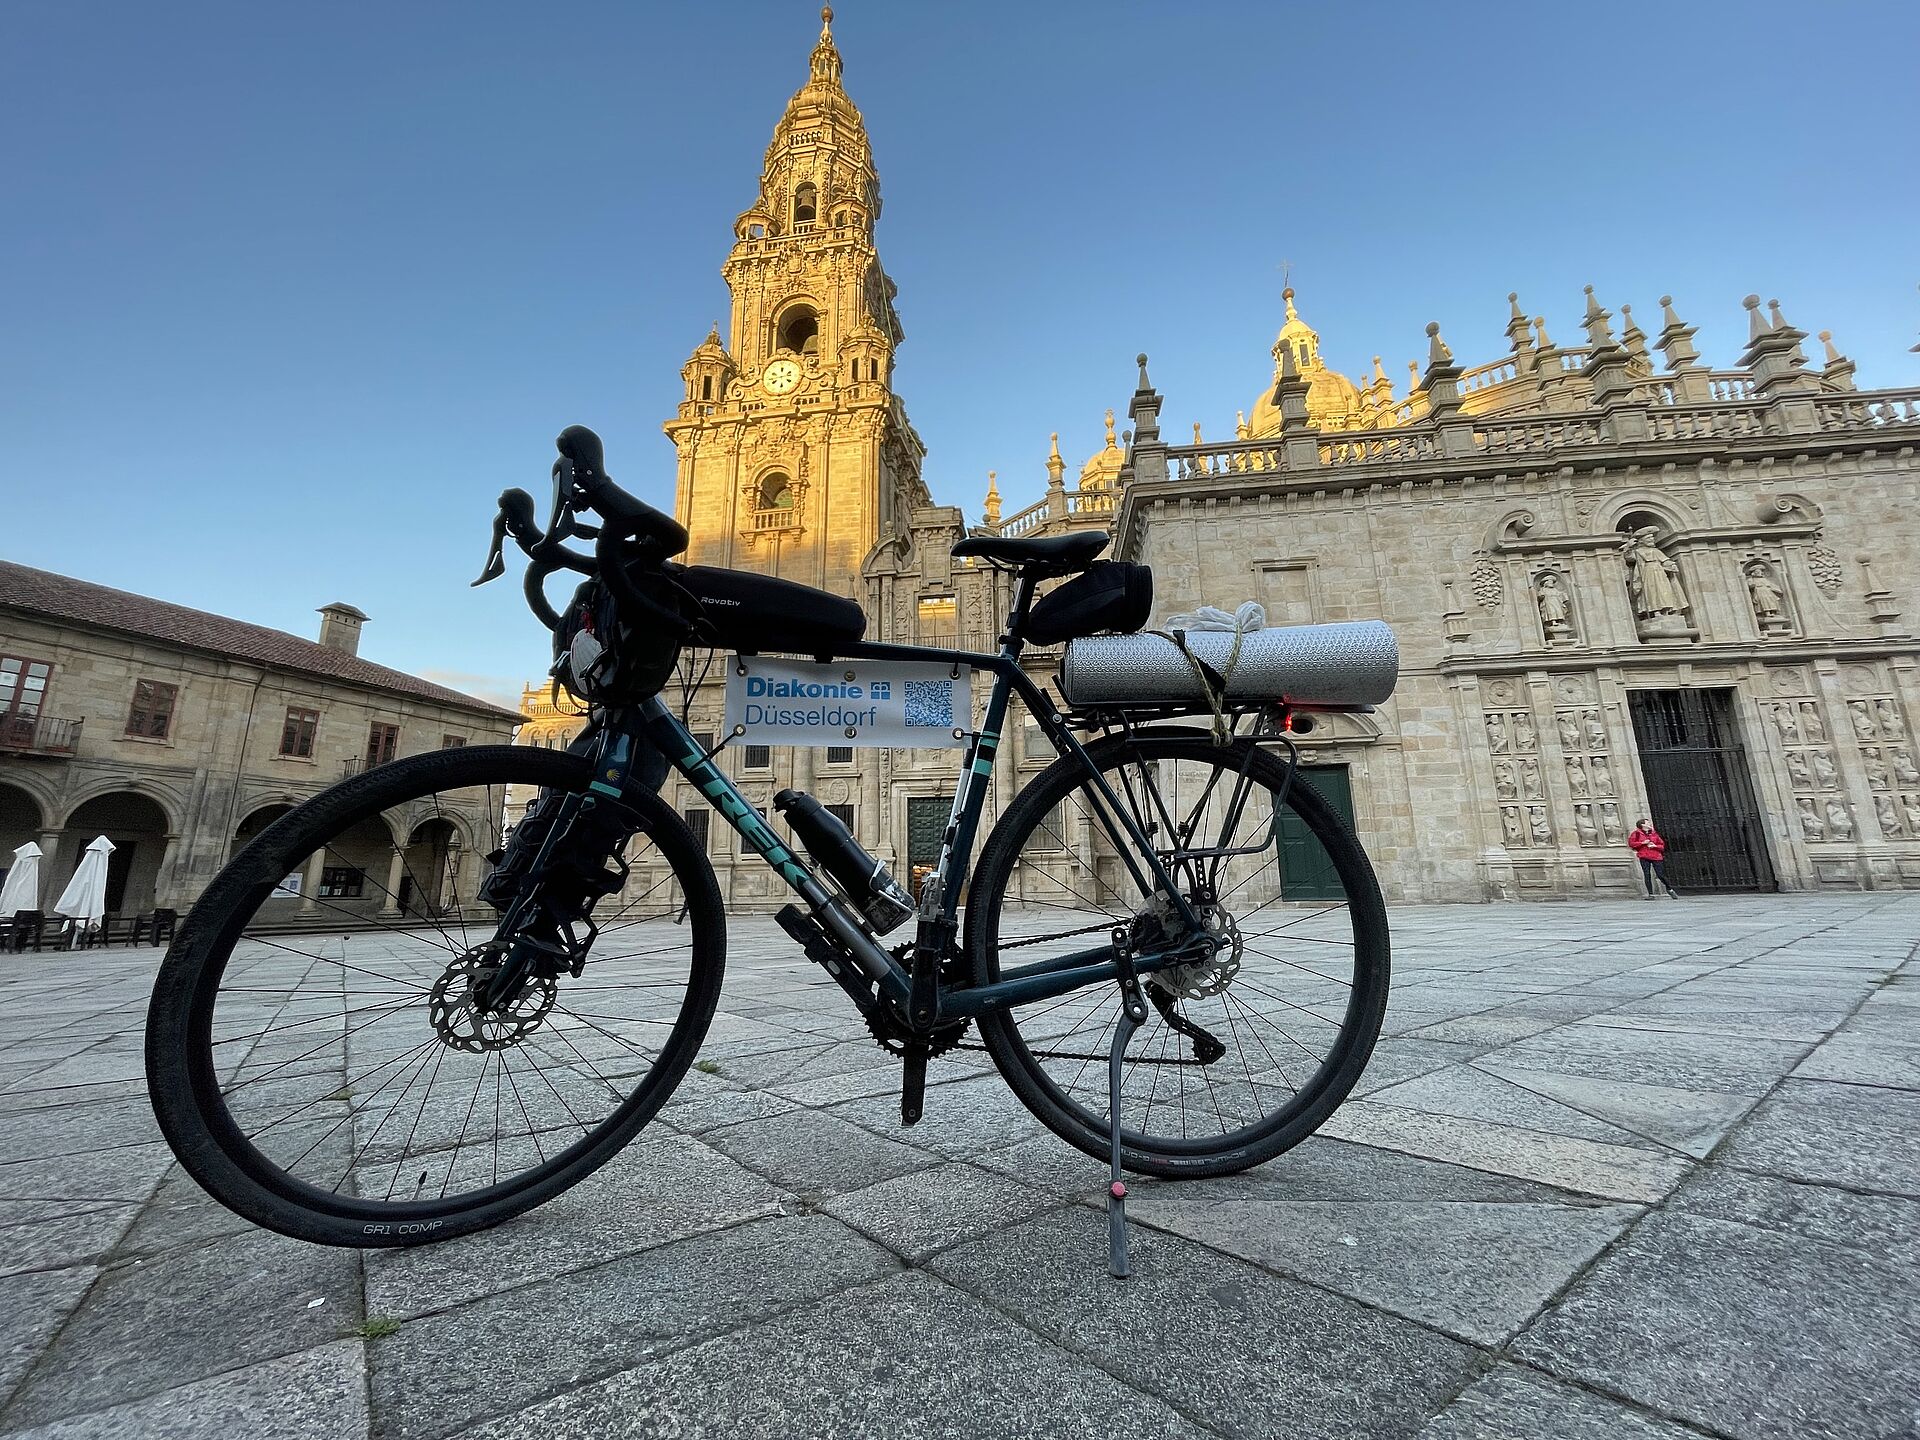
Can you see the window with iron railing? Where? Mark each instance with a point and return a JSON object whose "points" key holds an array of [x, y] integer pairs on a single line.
{"points": [[839, 755], [23, 684], [697, 821], [758, 757]]}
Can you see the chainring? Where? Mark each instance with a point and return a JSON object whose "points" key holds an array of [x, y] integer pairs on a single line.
{"points": [[894, 1038]]}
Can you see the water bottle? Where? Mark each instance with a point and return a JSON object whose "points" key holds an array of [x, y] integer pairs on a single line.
{"points": [[867, 883]]}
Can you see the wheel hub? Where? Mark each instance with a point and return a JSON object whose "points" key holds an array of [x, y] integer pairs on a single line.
{"points": [[453, 1005], [1199, 979]]}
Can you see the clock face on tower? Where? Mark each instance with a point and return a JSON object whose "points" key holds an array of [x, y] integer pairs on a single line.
{"points": [[781, 376]]}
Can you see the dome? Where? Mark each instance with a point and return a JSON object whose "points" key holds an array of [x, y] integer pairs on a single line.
{"points": [[1333, 401], [1102, 469]]}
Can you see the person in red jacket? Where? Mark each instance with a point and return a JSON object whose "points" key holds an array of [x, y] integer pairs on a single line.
{"points": [[1651, 847]]}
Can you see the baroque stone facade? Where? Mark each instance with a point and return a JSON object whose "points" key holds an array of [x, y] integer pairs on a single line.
{"points": [[179, 735], [1621, 585], [1620, 588]]}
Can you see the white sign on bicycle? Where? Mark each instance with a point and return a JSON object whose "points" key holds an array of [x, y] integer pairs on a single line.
{"points": [[881, 704]]}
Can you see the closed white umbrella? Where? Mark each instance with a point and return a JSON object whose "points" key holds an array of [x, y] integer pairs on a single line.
{"points": [[85, 898], [22, 890]]}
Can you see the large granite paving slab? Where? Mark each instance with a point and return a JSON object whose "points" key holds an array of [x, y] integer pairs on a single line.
{"points": [[1514, 1404], [1856, 1135], [318, 1394], [659, 1188], [905, 1356], [1278, 1359], [149, 1326], [1753, 1333], [557, 1334]]}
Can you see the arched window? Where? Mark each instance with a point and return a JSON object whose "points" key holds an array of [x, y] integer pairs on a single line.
{"points": [[776, 492], [799, 331], [804, 204]]}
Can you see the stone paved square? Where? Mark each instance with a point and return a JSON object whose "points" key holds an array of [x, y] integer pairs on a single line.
{"points": [[1617, 1170]]}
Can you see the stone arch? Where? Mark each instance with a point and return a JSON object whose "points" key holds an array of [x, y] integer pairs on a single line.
{"points": [[796, 325], [141, 831], [163, 797], [1646, 509], [22, 818]]}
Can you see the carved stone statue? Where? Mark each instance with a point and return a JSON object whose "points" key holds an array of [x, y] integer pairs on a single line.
{"points": [[1911, 804], [1556, 611], [1504, 785], [1530, 779], [1569, 726], [1510, 824], [1883, 812], [1839, 822], [1542, 831], [1610, 822], [1823, 770], [1769, 600], [1783, 722], [1577, 778], [1810, 825], [1497, 734], [1877, 776], [1653, 582], [1797, 768], [1904, 769], [1602, 774], [1583, 825], [1891, 725], [1523, 734], [1596, 732], [1862, 718], [1810, 721]]}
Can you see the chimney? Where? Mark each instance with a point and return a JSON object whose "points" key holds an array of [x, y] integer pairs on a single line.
{"points": [[340, 628]]}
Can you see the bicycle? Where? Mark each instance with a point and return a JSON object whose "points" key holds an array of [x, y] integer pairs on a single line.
{"points": [[512, 1007]]}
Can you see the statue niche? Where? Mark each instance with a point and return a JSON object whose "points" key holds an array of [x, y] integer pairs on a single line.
{"points": [[1553, 596], [1660, 606], [1768, 597]]}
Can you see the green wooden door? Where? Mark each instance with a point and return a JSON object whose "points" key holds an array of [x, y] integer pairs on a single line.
{"points": [[1305, 867], [926, 826]]}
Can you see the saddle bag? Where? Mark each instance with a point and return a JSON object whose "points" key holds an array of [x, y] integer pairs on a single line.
{"points": [[1109, 597]]}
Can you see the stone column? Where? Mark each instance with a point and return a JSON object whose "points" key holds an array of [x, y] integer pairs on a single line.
{"points": [[396, 871], [310, 884]]}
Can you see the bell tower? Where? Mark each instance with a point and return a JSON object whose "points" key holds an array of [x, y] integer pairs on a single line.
{"points": [[795, 456]]}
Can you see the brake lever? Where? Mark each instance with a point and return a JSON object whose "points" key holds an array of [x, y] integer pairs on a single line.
{"points": [[515, 517]]}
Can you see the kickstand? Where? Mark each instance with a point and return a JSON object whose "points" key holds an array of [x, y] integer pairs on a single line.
{"points": [[1133, 1013]]}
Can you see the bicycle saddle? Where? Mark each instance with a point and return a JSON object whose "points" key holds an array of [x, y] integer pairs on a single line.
{"points": [[1039, 556]]}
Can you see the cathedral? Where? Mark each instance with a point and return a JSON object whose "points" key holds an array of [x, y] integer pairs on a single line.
{"points": [[1624, 585]]}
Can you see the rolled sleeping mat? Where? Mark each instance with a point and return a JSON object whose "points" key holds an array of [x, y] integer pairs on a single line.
{"points": [[1350, 663]]}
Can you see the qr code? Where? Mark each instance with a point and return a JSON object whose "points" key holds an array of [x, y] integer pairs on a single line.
{"points": [[930, 703]]}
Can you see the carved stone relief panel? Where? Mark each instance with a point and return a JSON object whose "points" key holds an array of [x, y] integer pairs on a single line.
{"points": [[1586, 753]]}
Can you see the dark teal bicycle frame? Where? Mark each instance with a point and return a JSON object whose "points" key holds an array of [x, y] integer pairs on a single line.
{"points": [[939, 901]]}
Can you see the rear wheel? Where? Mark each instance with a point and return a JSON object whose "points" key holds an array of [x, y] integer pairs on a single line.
{"points": [[1241, 1057], [325, 1053]]}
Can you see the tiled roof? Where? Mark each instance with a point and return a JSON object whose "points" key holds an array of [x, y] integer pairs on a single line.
{"points": [[79, 602]]}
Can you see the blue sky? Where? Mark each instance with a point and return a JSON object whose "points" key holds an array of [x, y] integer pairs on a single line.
{"points": [[293, 291]]}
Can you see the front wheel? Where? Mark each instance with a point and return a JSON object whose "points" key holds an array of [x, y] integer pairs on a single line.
{"points": [[332, 1051], [1242, 1056]]}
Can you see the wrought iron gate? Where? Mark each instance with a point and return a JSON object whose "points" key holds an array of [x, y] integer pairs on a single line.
{"points": [[1700, 789]]}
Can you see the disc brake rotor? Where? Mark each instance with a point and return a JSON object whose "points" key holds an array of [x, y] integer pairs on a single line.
{"points": [[1198, 979], [459, 1021]]}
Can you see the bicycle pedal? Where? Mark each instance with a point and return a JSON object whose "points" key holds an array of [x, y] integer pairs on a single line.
{"points": [[913, 1085]]}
